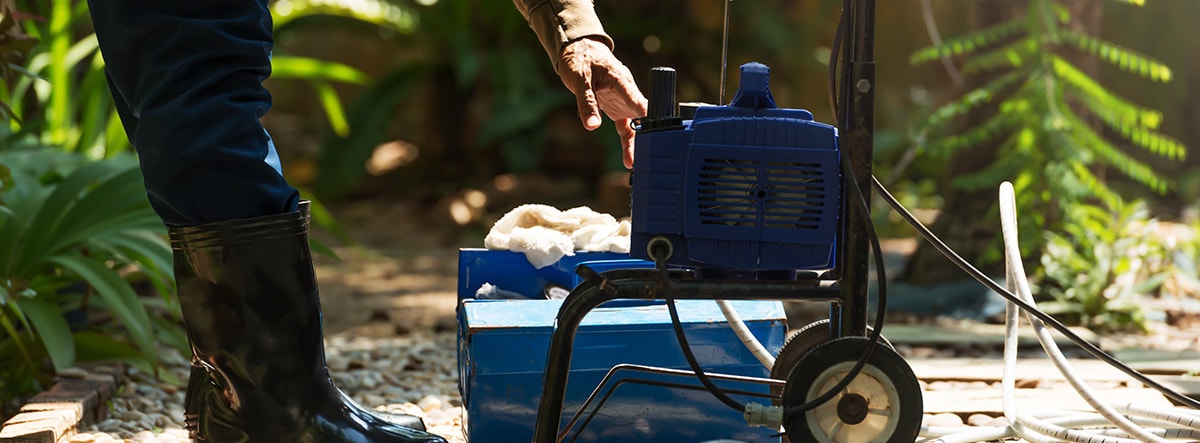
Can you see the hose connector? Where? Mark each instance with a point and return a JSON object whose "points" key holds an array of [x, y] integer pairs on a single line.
{"points": [[764, 416]]}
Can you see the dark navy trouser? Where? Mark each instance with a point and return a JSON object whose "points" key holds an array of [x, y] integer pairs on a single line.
{"points": [[186, 77]]}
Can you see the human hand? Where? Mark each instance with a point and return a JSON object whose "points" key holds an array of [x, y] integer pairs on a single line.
{"points": [[600, 82]]}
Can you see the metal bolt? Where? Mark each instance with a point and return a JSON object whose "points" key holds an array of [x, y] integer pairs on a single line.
{"points": [[863, 85]]}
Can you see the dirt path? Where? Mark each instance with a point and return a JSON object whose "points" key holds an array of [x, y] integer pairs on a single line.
{"points": [[402, 277]]}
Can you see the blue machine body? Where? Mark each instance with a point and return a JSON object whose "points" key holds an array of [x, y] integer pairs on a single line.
{"points": [[746, 186], [503, 345]]}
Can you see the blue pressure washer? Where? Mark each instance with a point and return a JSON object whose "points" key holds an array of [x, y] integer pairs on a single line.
{"points": [[745, 202], [748, 201]]}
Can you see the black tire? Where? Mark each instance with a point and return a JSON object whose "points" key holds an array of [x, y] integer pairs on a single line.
{"points": [[800, 342], [883, 403]]}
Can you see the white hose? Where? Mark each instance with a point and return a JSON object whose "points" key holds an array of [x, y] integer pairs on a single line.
{"points": [[1016, 269], [1025, 425], [1035, 429], [743, 332]]}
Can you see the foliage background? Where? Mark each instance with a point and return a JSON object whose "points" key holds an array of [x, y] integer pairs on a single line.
{"points": [[436, 101]]}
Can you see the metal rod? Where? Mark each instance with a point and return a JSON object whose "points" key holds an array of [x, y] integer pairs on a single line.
{"points": [[638, 284], [857, 133], [724, 52]]}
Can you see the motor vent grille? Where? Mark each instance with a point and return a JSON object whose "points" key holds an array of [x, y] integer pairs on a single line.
{"points": [[761, 194]]}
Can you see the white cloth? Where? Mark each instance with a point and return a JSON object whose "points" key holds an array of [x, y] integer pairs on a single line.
{"points": [[546, 234]]}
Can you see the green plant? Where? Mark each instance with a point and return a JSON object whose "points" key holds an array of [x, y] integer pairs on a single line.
{"points": [[78, 235], [1044, 105], [1100, 270], [62, 98], [474, 75], [14, 44]]}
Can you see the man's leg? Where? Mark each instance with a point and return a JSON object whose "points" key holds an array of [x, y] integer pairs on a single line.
{"points": [[191, 73], [187, 80]]}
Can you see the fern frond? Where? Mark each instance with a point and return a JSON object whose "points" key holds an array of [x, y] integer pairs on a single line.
{"points": [[1149, 140], [1006, 167], [976, 97], [969, 43], [1123, 58], [1097, 187], [1114, 109], [1110, 155], [1090, 90], [990, 129], [1066, 186], [1014, 55], [382, 13]]}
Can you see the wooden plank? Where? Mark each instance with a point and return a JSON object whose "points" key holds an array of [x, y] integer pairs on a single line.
{"points": [[988, 401], [971, 333], [991, 370]]}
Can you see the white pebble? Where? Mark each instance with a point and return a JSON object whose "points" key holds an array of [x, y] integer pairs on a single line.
{"points": [[430, 403]]}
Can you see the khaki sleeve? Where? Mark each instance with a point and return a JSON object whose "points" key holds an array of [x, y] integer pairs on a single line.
{"points": [[557, 22]]}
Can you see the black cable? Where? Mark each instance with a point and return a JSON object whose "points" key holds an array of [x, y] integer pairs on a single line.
{"points": [[881, 275], [661, 264], [1047, 318]]}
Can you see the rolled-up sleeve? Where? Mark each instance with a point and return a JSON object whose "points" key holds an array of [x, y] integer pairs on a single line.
{"points": [[557, 22]]}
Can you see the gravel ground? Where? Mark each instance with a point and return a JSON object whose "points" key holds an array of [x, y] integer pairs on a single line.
{"points": [[414, 374]]}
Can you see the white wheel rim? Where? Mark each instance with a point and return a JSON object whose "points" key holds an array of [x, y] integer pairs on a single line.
{"points": [[883, 403]]}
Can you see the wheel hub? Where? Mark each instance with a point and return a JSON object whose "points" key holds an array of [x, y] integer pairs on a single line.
{"points": [[852, 409]]}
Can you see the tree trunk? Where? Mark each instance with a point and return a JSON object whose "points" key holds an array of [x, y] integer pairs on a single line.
{"points": [[963, 223]]}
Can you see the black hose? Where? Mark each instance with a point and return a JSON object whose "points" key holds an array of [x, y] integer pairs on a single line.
{"points": [[1047, 318]]}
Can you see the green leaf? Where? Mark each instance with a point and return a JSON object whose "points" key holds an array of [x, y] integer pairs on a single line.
{"points": [[969, 43], [1124, 58], [1015, 55], [321, 216], [305, 68], [369, 116], [94, 346], [333, 108], [52, 212], [1112, 156], [52, 329], [971, 100], [117, 294], [525, 113], [399, 18], [11, 329]]}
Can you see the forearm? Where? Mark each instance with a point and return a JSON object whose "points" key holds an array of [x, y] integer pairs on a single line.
{"points": [[557, 22]]}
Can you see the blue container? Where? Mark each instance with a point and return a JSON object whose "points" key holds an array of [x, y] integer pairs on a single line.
{"points": [[511, 271], [746, 186], [502, 356]]}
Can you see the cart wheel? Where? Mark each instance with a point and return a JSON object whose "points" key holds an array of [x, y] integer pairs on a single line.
{"points": [[882, 404], [800, 342]]}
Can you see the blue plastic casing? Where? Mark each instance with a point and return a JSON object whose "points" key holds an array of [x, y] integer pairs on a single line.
{"points": [[502, 350], [747, 186]]}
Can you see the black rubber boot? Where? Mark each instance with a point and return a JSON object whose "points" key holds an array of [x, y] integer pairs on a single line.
{"points": [[253, 317]]}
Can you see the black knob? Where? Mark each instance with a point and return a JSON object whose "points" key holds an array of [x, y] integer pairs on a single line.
{"points": [[661, 102]]}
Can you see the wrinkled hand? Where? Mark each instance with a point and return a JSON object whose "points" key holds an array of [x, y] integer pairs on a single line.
{"points": [[602, 83]]}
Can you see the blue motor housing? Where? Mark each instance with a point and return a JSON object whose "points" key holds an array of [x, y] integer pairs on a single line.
{"points": [[742, 187]]}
